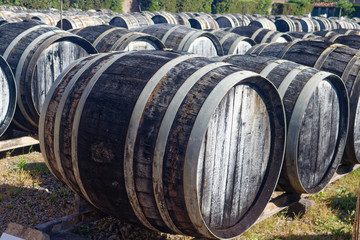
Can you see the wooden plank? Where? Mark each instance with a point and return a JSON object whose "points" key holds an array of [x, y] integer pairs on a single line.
{"points": [[20, 142]]}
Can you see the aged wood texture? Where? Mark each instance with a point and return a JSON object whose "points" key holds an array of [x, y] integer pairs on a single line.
{"points": [[261, 35], [131, 21], [203, 22], [303, 35], [170, 18], [232, 43], [319, 128], [49, 19], [107, 38], [186, 39], [79, 21], [146, 146], [335, 58], [286, 24], [231, 20], [263, 23], [7, 95], [37, 53], [352, 41]]}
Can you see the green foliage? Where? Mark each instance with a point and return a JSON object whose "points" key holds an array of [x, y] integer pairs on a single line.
{"points": [[356, 13], [114, 5], [293, 7], [347, 7], [263, 6]]}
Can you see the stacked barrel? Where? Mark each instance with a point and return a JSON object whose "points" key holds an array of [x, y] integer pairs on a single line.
{"points": [[184, 123]]}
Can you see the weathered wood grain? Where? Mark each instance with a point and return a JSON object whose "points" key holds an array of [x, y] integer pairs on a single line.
{"points": [[186, 39], [261, 35], [22, 46], [130, 141], [308, 167]]}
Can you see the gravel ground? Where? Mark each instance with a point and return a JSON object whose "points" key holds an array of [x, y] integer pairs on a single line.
{"points": [[30, 195]]}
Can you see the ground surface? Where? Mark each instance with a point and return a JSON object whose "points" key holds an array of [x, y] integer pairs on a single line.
{"points": [[30, 195]]}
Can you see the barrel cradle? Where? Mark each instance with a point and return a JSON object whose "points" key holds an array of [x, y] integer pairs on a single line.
{"points": [[37, 54], [107, 38], [313, 100], [168, 144], [7, 95], [335, 58], [186, 39]]}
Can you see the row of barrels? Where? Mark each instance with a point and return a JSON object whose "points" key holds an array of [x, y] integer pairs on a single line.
{"points": [[193, 145], [195, 20]]}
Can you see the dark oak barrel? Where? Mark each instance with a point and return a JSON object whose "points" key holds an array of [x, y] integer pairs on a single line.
{"points": [[106, 38], [307, 24], [325, 33], [78, 21], [186, 39], [203, 22], [285, 24], [263, 23], [335, 58], [49, 19], [352, 41], [303, 35], [170, 18], [7, 95], [37, 54], [187, 145], [232, 43], [232, 20], [317, 113], [347, 31], [261, 35], [324, 23], [131, 21]]}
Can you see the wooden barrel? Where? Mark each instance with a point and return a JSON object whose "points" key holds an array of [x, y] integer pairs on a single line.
{"points": [[106, 38], [303, 35], [307, 24], [7, 95], [285, 25], [49, 19], [230, 20], [232, 43], [203, 22], [335, 58], [131, 21], [313, 100], [261, 35], [175, 155], [37, 54], [78, 21], [324, 23], [325, 33], [352, 41], [263, 23], [186, 39], [170, 18], [347, 31]]}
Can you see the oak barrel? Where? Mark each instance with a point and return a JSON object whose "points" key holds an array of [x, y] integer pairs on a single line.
{"points": [[263, 23], [186, 39], [261, 35], [187, 145], [317, 113], [106, 38], [37, 53], [7, 95], [232, 43], [170, 18], [130, 21], [335, 58], [78, 21], [203, 22]]}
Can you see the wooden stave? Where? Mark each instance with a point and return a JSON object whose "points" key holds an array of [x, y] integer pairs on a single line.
{"points": [[4, 66], [347, 66], [289, 179], [26, 115], [263, 23], [173, 36], [234, 230], [105, 38], [285, 25], [352, 41], [203, 22], [124, 21]]}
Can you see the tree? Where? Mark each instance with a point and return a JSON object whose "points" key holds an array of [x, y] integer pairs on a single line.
{"points": [[263, 6], [345, 6]]}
